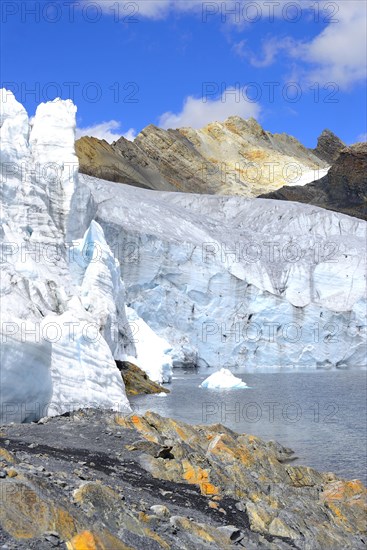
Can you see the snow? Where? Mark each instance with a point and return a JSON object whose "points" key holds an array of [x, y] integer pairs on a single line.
{"points": [[308, 176], [153, 353], [223, 380]]}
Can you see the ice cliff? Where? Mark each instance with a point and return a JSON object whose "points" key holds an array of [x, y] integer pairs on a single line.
{"points": [[63, 319], [235, 281]]}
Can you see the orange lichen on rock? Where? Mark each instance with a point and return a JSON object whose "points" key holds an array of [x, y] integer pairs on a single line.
{"points": [[26, 514], [87, 540], [341, 497], [83, 541], [139, 424], [200, 477], [224, 445], [352, 491]]}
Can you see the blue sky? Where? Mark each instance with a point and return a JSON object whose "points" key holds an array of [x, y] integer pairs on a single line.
{"points": [[186, 62]]}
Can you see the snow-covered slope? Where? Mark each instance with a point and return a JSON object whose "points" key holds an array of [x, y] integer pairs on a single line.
{"points": [[63, 320], [237, 281]]}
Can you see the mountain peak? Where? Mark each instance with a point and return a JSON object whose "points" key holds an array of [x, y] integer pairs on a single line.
{"points": [[214, 159], [244, 126], [329, 146]]}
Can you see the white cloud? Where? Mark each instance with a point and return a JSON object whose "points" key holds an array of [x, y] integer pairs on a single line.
{"points": [[362, 137], [106, 131], [127, 10], [270, 49], [338, 53], [233, 12], [197, 112], [131, 134]]}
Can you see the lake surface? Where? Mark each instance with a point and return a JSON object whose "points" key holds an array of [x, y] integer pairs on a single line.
{"points": [[321, 415]]}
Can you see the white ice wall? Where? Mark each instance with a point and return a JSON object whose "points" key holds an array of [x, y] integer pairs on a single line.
{"points": [[200, 271], [63, 320]]}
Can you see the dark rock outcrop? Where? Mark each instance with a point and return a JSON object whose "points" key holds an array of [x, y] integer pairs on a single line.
{"points": [[136, 381], [96, 480], [329, 147], [343, 189]]}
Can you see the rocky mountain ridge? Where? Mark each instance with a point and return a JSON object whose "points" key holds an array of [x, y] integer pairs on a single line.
{"points": [[328, 146], [236, 157]]}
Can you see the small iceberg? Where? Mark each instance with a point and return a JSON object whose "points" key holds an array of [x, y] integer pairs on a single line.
{"points": [[223, 380]]}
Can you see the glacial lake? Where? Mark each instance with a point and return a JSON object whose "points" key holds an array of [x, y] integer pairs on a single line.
{"points": [[320, 415]]}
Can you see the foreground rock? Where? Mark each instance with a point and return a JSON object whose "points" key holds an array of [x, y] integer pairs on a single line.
{"points": [[96, 480], [343, 189], [234, 157]]}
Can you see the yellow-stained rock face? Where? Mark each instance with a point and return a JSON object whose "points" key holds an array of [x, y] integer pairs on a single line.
{"points": [[84, 541], [87, 540], [26, 514], [353, 492], [64, 523], [168, 427], [199, 530], [5, 455], [301, 476], [278, 528], [138, 423], [154, 482], [200, 477], [137, 381], [258, 518], [225, 446], [235, 157], [344, 497], [181, 471], [97, 498], [205, 532]]}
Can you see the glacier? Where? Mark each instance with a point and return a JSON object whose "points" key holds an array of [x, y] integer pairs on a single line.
{"points": [[205, 280], [235, 282]]}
